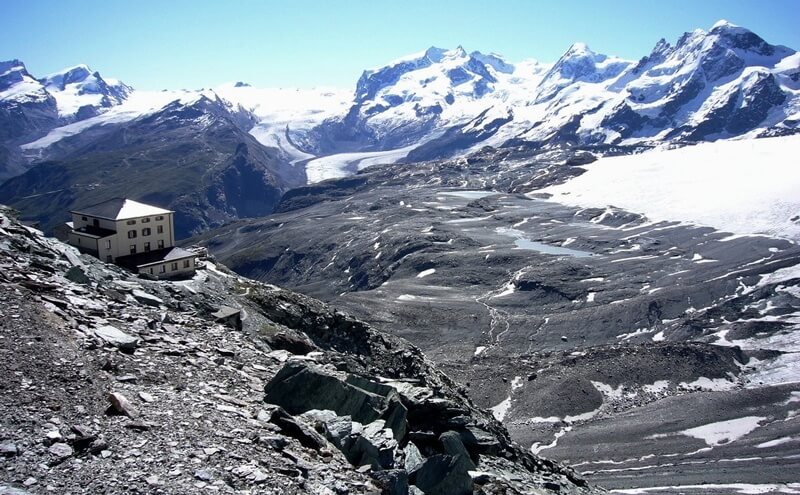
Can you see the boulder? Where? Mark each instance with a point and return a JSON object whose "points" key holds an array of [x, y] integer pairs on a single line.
{"points": [[60, 450], [116, 337], [299, 387], [10, 490], [479, 441], [452, 445], [146, 299], [291, 341], [231, 317], [336, 428], [78, 275], [374, 445], [443, 475], [392, 481], [295, 429], [8, 449], [414, 458], [121, 405]]}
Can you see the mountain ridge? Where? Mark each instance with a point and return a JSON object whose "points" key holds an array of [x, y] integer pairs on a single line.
{"points": [[723, 83]]}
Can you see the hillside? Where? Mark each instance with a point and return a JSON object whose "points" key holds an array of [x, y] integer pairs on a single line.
{"points": [[115, 382]]}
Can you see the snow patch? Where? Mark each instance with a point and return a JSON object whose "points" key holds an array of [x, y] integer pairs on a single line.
{"points": [[755, 185], [722, 432]]}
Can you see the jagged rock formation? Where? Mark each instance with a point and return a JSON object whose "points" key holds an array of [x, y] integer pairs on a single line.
{"points": [[114, 381]]}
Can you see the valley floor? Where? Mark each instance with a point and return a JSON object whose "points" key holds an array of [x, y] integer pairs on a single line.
{"points": [[649, 353]]}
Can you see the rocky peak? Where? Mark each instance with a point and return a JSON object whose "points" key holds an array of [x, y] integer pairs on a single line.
{"points": [[494, 61], [578, 64], [8, 66], [71, 75], [12, 72]]}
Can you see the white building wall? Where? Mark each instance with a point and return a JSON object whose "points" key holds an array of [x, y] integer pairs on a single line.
{"points": [[78, 222], [83, 243], [139, 225], [169, 270]]}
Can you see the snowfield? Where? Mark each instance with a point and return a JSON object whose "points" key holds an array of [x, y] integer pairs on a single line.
{"points": [[747, 186]]}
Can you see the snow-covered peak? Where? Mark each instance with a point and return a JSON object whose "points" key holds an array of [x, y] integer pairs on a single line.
{"points": [[494, 61], [578, 49], [579, 64], [723, 24], [70, 75], [81, 92], [11, 66], [17, 85]]}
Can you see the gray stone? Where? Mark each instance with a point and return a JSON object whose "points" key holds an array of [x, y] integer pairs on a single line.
{"points": [[60, 450], [204, 475], [452, 445], [295, 429], [228, 316], [299, 387], [479, 441], [53, 436], [145, 298], [414, 458], [373, 445], [336, 428], [78, 275], [121, 405], [72, 258], [117, 338], [443, 475], [392, 481], [8, 449], [10, 490]]}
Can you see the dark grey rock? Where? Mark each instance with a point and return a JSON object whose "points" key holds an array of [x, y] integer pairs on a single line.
{"points": [[8, 449], [117, 338], [374, 445], [294, 342], [451, 444], [392, 481], [146, 299], [77, 275], [414, 459], [231, 317], [479, 441], [299, 387], [60, 450], [295, 429], [443, 475], [121, 405]]}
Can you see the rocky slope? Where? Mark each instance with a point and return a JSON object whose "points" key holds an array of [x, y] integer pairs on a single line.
{"points": [[119, 384]]}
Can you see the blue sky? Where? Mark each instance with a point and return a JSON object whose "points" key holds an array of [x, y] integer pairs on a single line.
{"points": [[191, 44]]}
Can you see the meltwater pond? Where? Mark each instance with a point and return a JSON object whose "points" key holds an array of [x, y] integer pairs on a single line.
{"points": [[469, 194], [523, 242]]}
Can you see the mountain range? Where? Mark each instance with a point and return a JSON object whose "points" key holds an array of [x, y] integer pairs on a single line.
{"points": [[74, 132]]}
